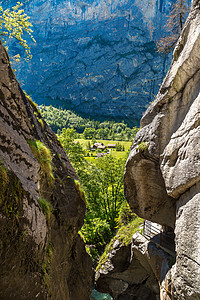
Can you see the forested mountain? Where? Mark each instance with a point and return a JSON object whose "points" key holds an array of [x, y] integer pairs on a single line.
{"points": [[96, 57]]}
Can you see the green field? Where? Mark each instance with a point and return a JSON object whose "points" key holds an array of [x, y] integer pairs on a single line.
{"points": [[118, 154], [84, 143]]}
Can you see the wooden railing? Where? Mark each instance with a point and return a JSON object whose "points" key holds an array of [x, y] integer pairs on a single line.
{"points": [[155, 233]]}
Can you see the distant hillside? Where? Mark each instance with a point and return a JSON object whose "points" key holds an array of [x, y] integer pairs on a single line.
{"points": [[60, 118], [96, 57]]}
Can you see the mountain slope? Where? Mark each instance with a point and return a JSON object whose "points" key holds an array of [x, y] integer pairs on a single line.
{"points": [[97, 57]]}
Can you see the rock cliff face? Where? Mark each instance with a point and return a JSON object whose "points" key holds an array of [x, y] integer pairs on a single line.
{"points": [[41, 206], [97, 57], [135, 271], [163, 170], [162, 184]]}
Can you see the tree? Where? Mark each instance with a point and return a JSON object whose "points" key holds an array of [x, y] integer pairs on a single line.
{"points": [[13, 24], [174, 26], [100, 133], [89, 133], [74, 150], [88, 145], [104, 188]]}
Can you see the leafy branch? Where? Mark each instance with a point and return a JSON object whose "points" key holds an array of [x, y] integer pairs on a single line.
{"points": [[13, 24]]}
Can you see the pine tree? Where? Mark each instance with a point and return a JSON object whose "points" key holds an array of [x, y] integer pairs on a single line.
{"points": [[174, 26]]}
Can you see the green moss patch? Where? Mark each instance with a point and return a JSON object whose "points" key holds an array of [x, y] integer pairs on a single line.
{"points": [[124, 236], [44, 157], [46, 207], [143, 146], [4, 179]]}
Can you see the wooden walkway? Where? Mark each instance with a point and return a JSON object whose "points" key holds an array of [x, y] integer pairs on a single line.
{"points": [[163, 239]]}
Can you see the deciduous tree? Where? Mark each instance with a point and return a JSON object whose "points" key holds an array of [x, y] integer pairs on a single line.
{"points": [[13, 24], [174, 26]]}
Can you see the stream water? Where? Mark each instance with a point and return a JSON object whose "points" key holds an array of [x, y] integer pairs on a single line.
{"points": [[99, 296]]}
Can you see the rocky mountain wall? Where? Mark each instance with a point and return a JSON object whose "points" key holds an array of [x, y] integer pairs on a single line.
{"points": [[41, 205], [163, 169], [96, 57]]}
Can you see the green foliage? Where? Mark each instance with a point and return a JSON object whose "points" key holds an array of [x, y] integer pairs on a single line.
{"points": [[60, 118], [102, 185], [92, 251], [35, 109], [46, 207], [125, 215], [73, 150], [11, 194], [126, 232], [45, 269], [44, 157], [174, 26], [41, 122], [80, 189], [102, 181], [13, 24], [33, 104], [4, 179], [143, 146], [124, 236], [96, 232], [89, 133], [120, 147]]}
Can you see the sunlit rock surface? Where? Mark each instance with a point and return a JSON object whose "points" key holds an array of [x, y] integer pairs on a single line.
{"points": [[135, 271], [168, 164], [97, 57]]}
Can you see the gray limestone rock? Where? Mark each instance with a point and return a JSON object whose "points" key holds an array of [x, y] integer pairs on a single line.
{"points": [[134, 271], [163, 169]]}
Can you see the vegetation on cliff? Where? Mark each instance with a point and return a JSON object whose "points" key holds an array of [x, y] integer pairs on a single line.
{"points": [[14, 23], [44, 157], [128, 224], [174, 26]]}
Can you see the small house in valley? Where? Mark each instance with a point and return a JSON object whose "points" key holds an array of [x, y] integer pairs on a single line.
{"points": [[111, 146], [98, 146]]}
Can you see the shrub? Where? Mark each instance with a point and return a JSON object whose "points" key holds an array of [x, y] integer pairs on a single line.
{"points": [[44, 157], [125, 215], [96, 232], [143, 146], [124, 236], [13, 24]]}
